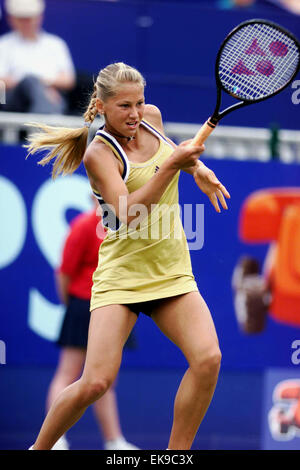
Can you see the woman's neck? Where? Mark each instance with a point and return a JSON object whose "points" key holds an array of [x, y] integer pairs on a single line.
{"points": [[119, 136]]}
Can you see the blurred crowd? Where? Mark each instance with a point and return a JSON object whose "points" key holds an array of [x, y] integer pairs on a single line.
{"points": [[37, 68]]}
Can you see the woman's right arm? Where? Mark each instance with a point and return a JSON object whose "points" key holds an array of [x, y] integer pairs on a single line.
{"points": [[104, 173], [62, 286]]}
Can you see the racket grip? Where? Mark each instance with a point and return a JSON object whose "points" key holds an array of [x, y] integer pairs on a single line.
{"points": [[203, 133]]}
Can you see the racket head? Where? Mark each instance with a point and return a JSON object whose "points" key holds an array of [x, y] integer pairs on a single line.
{"points": [[257, 60]]}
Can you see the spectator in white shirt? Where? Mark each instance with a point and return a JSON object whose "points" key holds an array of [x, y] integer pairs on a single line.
{"points": [[35, 66]]}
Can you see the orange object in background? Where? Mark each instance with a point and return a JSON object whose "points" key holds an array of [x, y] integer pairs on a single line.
{"points": [[273, 215]]}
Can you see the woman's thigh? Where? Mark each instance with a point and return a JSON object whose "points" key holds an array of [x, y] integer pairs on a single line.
{"points": [[187, 322], [109, 329]]}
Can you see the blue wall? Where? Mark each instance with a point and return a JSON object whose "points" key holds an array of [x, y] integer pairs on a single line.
{"points": [[43, 221]]}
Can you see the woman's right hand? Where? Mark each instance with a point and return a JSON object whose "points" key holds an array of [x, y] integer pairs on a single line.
{"points": [[186, 155]]}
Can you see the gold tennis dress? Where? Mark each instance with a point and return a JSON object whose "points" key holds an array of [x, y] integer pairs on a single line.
{"points": [[149, 258]]}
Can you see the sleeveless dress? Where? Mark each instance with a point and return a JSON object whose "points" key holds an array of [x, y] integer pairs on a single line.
{"points": [[148, 259]]}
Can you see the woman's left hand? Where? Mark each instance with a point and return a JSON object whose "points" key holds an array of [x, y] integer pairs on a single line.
{"points": [[209, 184]]}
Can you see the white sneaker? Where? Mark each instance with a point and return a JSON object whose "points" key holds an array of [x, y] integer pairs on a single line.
{"points": [[61, 444], [119, 444]]}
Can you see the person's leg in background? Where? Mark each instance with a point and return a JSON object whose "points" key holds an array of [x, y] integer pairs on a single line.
{"points": [[107, 415], [32, 96]]}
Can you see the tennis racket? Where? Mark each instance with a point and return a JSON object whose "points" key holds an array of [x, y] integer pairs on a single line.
{"points": [[257, 60]]}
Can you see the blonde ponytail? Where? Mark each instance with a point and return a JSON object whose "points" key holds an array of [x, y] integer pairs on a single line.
{"points": [[66, 146]]}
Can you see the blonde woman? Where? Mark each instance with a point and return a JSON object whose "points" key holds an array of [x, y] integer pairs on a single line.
{"points": [[133, 171]]}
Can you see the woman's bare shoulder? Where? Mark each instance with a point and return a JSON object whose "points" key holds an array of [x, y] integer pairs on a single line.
{"points": [[100, 152], [153, 115], [96, 149]]}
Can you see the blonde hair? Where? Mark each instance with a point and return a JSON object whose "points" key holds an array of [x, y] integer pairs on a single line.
{"points": [[67, 146]]}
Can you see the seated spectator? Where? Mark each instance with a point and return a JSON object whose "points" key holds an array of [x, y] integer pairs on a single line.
{"points": [[35, 66]]}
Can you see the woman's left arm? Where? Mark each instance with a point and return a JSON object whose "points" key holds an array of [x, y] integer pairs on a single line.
{"points": [[209, 184]]}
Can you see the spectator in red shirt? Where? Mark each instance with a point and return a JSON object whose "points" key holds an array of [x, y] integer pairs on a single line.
{"points": [[74, 283]]}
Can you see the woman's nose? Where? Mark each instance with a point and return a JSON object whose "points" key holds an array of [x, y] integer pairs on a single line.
{"points": [[134, 112]]}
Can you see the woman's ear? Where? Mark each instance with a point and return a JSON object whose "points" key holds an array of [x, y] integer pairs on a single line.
{"points": [[99, 105]]}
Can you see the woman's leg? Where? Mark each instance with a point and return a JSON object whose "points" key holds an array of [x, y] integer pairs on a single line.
{"points": [[186, 321], [109, 329]]}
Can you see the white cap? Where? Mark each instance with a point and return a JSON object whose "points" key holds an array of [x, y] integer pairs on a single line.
{"points": [[24, 8]]}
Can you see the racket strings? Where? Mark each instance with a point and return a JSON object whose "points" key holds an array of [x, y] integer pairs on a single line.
{"points": [[246, 69], [281, 46], [243, 66], [257, 61]]}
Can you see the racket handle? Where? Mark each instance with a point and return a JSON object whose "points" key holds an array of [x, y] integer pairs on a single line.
{"points": [[203, 133]]}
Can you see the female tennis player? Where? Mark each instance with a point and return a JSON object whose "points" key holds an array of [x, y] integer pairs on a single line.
{"points": [[144, 262]]}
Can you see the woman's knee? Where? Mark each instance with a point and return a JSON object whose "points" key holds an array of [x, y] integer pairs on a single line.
{"points": [[206, 364], [92, 390]]}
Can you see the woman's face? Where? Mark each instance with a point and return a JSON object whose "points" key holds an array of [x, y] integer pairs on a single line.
{"points": [[125, 110], [27, 27]]}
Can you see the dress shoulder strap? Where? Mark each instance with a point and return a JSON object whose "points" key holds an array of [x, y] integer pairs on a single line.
{"points": [[155, 131], [114, 145]]}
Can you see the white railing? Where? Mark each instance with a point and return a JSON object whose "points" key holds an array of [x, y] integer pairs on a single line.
{"points": [[241, 143], [12, 123]]}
